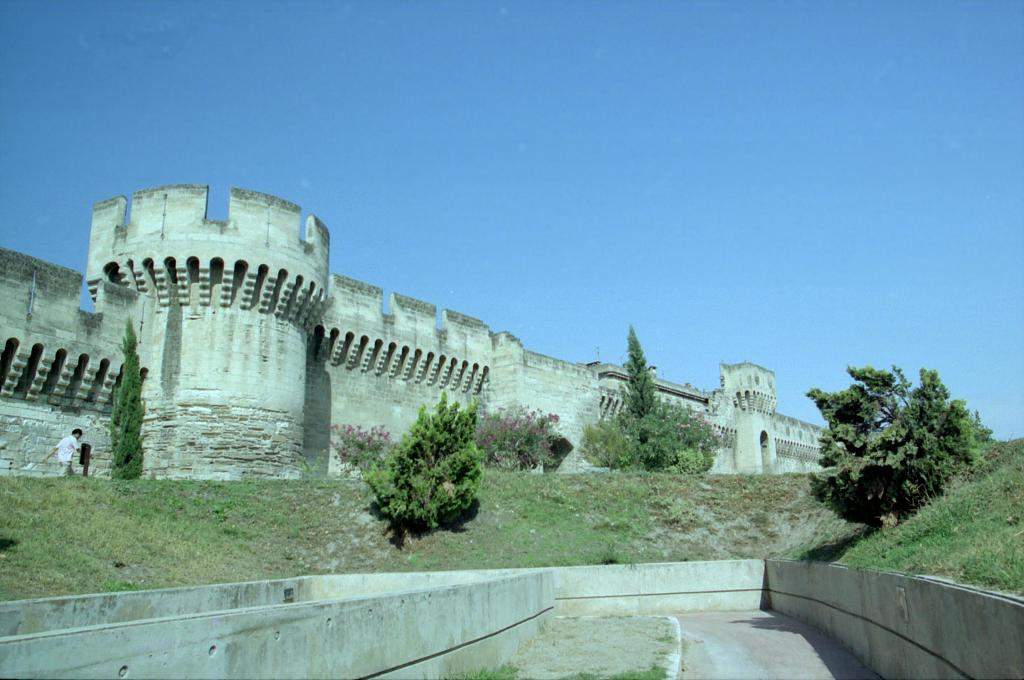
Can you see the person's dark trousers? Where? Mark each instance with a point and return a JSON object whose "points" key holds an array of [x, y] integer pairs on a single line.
{"points": [[83, 457]]}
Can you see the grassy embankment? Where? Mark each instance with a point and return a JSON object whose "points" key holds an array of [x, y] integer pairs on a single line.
{"points": [[972, 534], [62, 536], [79, 535]]}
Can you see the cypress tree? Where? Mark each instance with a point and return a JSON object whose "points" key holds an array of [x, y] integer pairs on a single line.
{"points": [[639, 397], [126, 417]]}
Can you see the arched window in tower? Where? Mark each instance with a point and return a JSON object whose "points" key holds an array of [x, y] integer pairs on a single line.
{"points": [[133, 279], [765, 452], [147, 266], [216, 280], [97, 383], [257, 290], [7, 360], [192, 267], [172, 269], [289, 305], [76, 378], [237, 278], [29, 374], [341, 358], [117, 381], [55, 370], [332, 343], [275, 295], [316, 344]]}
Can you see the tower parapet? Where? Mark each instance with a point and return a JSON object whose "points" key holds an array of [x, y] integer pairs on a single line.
{"points": [[169, 250], [230, 305], [751, 387]]}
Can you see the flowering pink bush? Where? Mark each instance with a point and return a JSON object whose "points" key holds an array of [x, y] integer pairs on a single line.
{"points": [[358, 447], [517, 439]]}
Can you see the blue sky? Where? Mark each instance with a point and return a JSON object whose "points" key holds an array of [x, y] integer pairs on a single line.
{"points": [[805, 186]]}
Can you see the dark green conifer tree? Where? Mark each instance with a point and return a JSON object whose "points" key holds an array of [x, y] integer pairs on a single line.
{"points": [[890, 447], [126, 417], [639, 397]]}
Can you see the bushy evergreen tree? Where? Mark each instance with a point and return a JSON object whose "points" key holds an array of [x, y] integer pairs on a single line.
{"points": [[639, 397], [890, 447], [432, 476], [651, 434], [126, 417]]}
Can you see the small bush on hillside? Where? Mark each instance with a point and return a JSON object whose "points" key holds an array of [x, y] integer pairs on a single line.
{"points": [[604, 444], [671, 438], [517, 439], [890, 447], [357, 448], [433, 474]]}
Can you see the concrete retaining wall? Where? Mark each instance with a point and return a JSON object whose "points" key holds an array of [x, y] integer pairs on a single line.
{"points": [[435, 624], [629, 589], [410, 633], [22, 617], [599, 590], [904, 626]]}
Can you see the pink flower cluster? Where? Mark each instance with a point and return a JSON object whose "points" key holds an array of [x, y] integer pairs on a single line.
{"points": [[354, 445], [516, 439]]}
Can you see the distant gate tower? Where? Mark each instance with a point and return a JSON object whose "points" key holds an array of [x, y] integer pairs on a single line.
{"points": [[225, 328]]}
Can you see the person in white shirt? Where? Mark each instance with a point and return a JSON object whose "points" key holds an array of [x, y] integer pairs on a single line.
{"points": [[66, 451]]}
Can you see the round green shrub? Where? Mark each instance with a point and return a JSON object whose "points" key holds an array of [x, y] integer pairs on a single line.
{"points": [[433, 474]]}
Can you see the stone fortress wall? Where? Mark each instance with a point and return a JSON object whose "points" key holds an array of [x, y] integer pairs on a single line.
{"points": [[252, 350]]}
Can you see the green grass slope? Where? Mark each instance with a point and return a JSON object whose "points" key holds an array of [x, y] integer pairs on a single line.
{"points": [[972, 534], [60, 536]]}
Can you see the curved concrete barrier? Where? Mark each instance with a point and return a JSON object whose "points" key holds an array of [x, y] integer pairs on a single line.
{"points": [[435, 624], [904, 626], [429, 632], [21, 617], [659, 588]]}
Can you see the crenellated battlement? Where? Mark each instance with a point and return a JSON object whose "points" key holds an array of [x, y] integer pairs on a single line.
{"points": [[406, 345], [42, 299], [253, 349], [54, 352], [167, 248], [168, 211], [413, 316], [751, 387]]}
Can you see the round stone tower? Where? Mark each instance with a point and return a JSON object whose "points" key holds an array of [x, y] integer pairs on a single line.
{"points": [[223, 326]]}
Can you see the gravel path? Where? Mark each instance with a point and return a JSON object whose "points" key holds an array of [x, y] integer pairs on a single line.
{"points": [[599, 646]]}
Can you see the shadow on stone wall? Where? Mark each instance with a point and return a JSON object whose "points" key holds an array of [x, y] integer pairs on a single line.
{"points": [[316, 422]]}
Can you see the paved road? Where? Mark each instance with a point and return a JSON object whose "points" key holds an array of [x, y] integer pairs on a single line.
{"points": [[759, 644]]}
